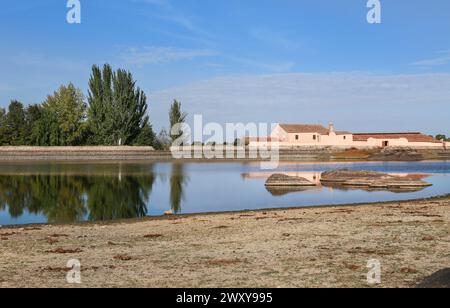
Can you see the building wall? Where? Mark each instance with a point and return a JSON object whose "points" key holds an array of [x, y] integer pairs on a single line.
{"points": [[336, 140], [356, 144], [402, 142], [289, 140], [311, 139]]}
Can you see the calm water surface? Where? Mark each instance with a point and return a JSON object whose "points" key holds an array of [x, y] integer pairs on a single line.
{"points": [[68, 192]]}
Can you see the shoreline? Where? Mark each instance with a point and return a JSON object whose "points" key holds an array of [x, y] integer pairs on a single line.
{"points": [[299, 247], [206, 214], [128, 153]]}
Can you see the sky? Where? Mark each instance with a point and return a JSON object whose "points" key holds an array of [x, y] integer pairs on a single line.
{"points": [[274, 61]]}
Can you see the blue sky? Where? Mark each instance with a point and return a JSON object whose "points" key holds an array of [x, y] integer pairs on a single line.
{"points": [[254, 60]]}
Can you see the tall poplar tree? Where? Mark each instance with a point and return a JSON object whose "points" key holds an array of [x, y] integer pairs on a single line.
{"points": [[176, 117], [117, 108]]}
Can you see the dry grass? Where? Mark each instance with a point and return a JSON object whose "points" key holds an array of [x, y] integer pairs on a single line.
{"points": [[316, 247]]}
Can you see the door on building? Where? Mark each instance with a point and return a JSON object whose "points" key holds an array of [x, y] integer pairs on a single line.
{"points": [[385, 144]]}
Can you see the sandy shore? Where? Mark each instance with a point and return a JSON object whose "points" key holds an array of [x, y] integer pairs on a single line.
{"points": [[314, 247]]}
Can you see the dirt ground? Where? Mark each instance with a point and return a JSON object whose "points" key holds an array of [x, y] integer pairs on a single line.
{"points": [[313, 247]]}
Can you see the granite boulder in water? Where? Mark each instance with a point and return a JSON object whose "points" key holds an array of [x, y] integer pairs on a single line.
{"points": [[283, 180], [371, 179]]}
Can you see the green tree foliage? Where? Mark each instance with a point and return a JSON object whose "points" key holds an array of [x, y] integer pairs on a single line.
{"points": [[32, 116], [3, 139], [117, 108], [100, 105], [163, 140], [442, 137], [146, 136], [13, 129], [18, 125], [176, 117], [116, 115], [62, 119], [46, 130]]}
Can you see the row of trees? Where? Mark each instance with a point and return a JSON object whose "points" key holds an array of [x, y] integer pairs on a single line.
{"points": [[115, 114], [442, 138]]}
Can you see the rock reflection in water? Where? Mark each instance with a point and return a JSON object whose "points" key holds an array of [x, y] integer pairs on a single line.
{"points": [[368, 189], [315, 177], [282, 191]]}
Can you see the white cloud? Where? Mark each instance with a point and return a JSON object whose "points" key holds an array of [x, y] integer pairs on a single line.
{"points": [[270, 67], [277, 67], [160, 55], [354, 101], [168, 12], [442, 60]]}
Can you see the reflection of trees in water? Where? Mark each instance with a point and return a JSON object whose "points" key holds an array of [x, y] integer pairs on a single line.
{"points": [[69, 198], [59, 198], [177, 181], [116, 198]]}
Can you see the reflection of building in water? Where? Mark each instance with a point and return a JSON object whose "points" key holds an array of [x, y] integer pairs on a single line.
{"points": [[313, 177]]}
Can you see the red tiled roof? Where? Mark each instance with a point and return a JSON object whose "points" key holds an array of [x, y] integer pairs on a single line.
{"points": [[411, 137], [304, 128]]}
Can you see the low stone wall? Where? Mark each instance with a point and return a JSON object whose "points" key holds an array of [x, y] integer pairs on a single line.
{"points": [[9, 153], [122, 149], [309, 154]]}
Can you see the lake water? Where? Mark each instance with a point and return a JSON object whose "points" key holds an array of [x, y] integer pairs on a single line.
{"points": [[70, 192]]}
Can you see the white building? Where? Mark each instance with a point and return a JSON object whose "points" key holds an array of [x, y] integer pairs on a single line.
{"points": [[304, 135]]}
